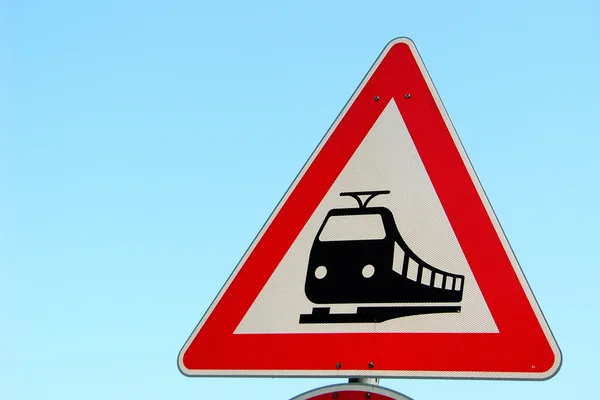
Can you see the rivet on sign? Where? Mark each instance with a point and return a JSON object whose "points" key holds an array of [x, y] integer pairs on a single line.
{"points": [[368, 395], [376, 98], [407, 95], [371, 364], [335, 395], [338, 365]]}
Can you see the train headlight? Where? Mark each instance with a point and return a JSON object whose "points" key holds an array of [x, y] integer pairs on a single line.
{"points": [[320, 272], [368, 271]]}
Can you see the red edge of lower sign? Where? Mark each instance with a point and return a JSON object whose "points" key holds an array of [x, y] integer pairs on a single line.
{"points": [[352, 391]]}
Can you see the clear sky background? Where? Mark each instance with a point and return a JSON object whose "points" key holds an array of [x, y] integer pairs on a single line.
{"points": [[143, 144]]}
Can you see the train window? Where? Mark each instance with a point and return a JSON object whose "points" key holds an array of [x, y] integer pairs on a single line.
{"points": [[398, 259], [457, 283], [426, 277], [412, 270], [449, 283], [353, 227], [439, 278]]}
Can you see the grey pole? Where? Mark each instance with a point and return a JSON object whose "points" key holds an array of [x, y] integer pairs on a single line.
{"points": [[366, 381]]}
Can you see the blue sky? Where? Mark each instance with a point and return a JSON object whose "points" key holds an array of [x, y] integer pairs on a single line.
{"points": [[144, 144]]}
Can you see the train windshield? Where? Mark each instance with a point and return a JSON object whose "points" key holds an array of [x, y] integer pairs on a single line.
{"points": [[353, 227]]}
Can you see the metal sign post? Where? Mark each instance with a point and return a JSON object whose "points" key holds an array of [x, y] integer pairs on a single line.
{"points": [[366, 381]]}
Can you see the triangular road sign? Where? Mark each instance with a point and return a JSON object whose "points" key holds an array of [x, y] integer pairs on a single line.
{"points": [[384, 258]]}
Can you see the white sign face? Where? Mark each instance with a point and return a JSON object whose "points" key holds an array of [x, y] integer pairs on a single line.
{"points": [[420, 219], [384, 258]]}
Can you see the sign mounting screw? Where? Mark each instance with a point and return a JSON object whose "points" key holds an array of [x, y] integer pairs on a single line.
{"points": [[338, 365], [371, 364], [376, 98], [407, 96]]}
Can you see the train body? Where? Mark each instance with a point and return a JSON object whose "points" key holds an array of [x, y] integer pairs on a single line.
{"points": [[377, 269]]}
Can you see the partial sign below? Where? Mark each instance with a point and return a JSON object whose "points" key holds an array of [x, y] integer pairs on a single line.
{"points": [[384, 258], [351, 391]]}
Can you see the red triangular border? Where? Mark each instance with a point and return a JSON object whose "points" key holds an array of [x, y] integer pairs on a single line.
{"points": [[524, 347]]}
